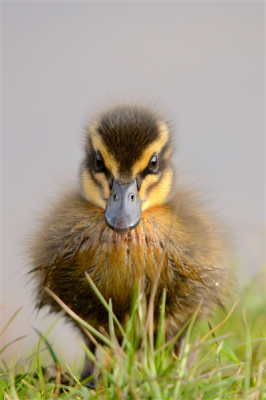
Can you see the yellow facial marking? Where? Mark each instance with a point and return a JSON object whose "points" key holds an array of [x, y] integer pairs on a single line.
{"points": [[147, 182], [153, 148], [158, 194], [101, 178], [91, 191], [98, 145]]}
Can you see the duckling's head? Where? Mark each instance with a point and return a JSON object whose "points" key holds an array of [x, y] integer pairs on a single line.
{"points": [[127, 167]]}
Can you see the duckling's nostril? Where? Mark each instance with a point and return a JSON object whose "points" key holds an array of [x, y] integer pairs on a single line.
{"points": [[131, 197], [115, 197]]}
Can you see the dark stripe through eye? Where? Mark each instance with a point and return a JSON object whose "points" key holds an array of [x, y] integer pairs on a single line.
{"points": [[98, 162]]}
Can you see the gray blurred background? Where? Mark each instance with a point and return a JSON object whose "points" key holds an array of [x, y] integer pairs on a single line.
{"points": [[201, 62]]}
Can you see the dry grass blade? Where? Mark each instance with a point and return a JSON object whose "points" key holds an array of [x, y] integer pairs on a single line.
{"points": [[11, 319], [220, 324], [78, 319], [6, 396], [258, 393]]}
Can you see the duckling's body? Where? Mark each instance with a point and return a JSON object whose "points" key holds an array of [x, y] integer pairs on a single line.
{"points": [[128, 157]]}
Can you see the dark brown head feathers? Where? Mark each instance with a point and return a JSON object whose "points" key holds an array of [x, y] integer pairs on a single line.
{"points": [[127, 131]]}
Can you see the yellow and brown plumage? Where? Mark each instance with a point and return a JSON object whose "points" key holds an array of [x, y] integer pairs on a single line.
{"points": [[127, 218]]}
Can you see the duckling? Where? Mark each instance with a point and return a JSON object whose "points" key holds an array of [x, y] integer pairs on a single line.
{"points": [[127, 219]]}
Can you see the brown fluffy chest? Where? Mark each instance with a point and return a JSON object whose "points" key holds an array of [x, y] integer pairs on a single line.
{"points": [[114, 262]]}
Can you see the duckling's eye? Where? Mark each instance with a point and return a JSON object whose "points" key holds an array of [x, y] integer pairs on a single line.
{"points": [[154, 164], [98, 162]]}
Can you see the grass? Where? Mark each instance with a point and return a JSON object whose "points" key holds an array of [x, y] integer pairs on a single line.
{"points": [[223, 358]]}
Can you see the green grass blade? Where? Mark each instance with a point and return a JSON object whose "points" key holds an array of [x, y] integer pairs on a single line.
{"points": [[49, 346], [104, 302], [78, 319]]}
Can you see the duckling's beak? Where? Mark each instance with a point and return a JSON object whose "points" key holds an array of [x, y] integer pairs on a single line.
{"points": [[123, 209]]}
